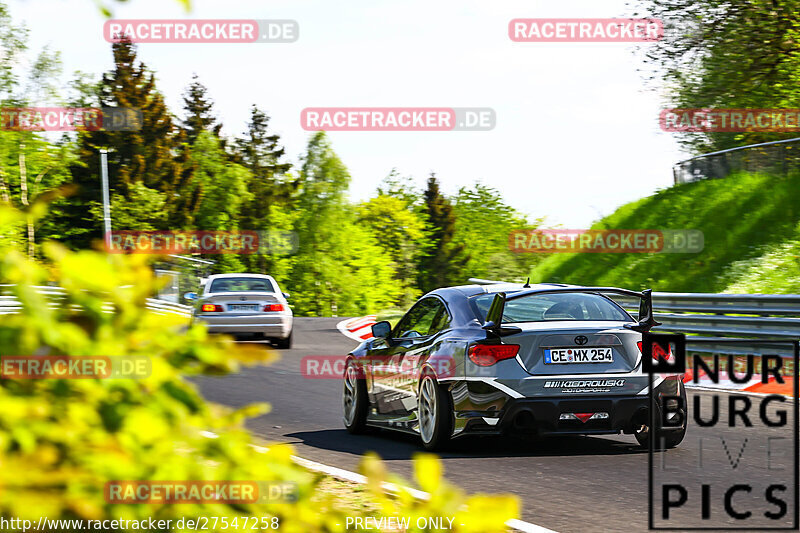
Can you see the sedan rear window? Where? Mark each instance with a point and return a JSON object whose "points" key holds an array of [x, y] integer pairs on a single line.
{"points": [[550, 307], [241, 285]]}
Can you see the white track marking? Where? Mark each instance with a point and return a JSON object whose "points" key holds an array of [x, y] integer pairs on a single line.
{"points": [[341, 473], [353, 328]]}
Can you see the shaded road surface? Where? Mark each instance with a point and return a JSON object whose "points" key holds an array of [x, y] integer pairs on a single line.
{"points": [[566, 484]]}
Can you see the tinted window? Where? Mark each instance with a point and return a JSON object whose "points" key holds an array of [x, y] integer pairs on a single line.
{"points": [[547, 307], [441, 321], [241, 285], [421, 320]]}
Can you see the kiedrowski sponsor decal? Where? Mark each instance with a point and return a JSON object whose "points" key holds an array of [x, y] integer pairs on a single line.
{"points": [[584, 383]]}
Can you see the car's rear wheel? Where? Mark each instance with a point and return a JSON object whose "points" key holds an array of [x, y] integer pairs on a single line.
{"points": [[664, 438], [435, 412], [354, 400], [284, 344]]}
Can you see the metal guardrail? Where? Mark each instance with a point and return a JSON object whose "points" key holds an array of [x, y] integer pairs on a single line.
{"points": [[161, 307], [777, 157], [709, 317], [9, 304]]}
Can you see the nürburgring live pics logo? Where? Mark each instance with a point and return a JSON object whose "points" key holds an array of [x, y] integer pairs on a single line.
{"points": [[737, 468]]}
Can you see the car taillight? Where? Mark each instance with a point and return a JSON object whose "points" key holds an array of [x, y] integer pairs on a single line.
{"points": [[489, 354], [273, 307], [639, 345], [211, 308]]}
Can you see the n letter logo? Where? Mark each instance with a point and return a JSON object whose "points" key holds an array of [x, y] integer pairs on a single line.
{"points": [[664, 353]]}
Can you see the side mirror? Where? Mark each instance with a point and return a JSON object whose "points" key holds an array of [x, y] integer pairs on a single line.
{"points": [[381, 330], [190, 296], [286, 295]]}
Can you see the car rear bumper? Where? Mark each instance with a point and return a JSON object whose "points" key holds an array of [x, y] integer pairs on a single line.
{"points": [[276, 326], [542, 415]]}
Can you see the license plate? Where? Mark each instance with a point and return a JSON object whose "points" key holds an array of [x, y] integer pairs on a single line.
{"points": [[578, 355], [243, 307]]}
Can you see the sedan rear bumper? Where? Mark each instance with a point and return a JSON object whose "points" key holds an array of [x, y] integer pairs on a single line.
{"points": [[275, 326]]}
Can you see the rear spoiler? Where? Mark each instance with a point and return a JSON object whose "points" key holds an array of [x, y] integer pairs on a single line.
{"points": [[494, 317]]}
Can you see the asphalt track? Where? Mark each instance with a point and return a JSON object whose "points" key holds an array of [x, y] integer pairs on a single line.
{"points": [[566, 484]]}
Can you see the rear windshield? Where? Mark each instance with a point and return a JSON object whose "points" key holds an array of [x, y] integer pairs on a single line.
{"points": [[549, 307], [241, 285]]}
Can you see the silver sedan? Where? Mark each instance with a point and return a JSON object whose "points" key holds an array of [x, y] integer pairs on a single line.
{"points": [[245, 304]]}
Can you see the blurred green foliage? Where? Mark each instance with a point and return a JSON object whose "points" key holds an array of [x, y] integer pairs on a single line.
{"points": [[473, 514], [62, 440]]}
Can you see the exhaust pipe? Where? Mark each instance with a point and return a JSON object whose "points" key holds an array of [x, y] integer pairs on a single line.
{"points": [[524, 421], [639, 418]]}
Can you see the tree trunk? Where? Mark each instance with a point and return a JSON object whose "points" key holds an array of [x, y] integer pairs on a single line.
{"points": [[23, 188]]}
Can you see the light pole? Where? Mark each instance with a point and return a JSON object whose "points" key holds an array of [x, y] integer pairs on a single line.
{"points": [[106, 205]]}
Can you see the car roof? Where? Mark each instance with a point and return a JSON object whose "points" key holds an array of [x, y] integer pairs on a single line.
{"points": [[474, 290], [241, 275], [457, 298]]}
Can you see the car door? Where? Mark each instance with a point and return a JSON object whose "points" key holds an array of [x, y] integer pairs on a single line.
{"points": [[411, 339]]}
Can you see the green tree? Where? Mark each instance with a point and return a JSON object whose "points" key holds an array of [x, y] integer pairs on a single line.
{"points": [[13, 46], [141, 209], [727, 55], [400, 233], [483, 225], [339, 268], [199, 111], [31, 167], [221, 185], [271, 188], [150, 156], [439, 265], [401, 187]]}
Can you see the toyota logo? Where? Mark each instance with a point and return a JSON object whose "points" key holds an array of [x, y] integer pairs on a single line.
{"points": [[242, 298], [581, 340]]}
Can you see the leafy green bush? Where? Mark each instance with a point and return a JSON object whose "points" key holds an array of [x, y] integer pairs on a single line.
{"points": [[62, 440], [776, 271]]}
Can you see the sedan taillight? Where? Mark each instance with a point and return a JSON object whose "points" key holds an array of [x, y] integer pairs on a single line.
{"points": [[489, 354], [211, 308], [273, 307]]}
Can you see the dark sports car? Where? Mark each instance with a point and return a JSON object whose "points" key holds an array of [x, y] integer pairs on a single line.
{"points": [[489, 359]]}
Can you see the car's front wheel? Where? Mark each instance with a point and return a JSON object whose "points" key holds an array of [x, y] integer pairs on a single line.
{"points": [[435, 412], [354, 400]]}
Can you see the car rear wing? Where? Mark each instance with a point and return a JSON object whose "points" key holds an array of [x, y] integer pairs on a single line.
{"points": [[494, 316]]}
